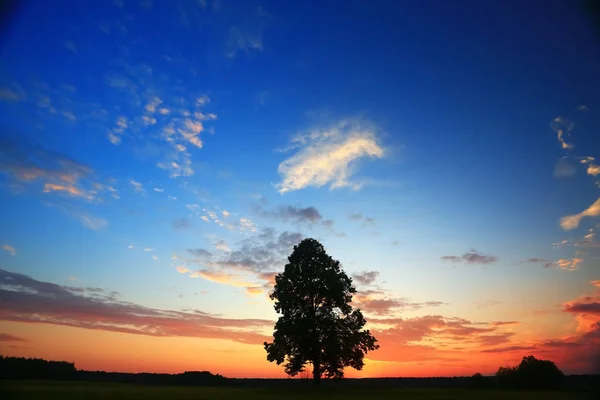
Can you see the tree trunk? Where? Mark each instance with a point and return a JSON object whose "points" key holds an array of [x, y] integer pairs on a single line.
{"points": [[317, 373]]}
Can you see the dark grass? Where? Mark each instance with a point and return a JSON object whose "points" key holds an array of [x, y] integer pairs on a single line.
{"points": [[49, 390]]}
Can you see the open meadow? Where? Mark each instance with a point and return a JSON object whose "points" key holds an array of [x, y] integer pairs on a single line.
{"points": [[48, 390]]}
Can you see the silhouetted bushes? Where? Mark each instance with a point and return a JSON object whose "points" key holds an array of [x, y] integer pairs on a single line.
{"points": [[531, 374]]}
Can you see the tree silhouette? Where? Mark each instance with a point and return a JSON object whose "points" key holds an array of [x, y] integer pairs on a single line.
{"points": [[531, 373], [317, 323]]}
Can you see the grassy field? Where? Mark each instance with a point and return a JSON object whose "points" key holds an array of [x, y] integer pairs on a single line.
{"points": [[46, 390]]}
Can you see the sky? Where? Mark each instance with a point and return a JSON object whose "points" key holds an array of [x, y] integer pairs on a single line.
{"points": [[159, 160]]}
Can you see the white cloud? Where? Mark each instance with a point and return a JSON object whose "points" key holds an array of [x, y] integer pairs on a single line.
{"points": [[130, 246], [328, 156], [222, 245], [225, 213], [10, 249], [247, 225], [153, 104], [115, 134], [155, 258], [159, 190], [204, 218], [148, 249], [149, 120], [137, 186], [91, 222], [571, 222], [182, 270]]}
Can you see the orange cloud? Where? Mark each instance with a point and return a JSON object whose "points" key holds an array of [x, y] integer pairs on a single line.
{"points": [[567, 265], [222, 278], [27, 300], [378, 303], [571, 222], [68, 189], [254, 290]]}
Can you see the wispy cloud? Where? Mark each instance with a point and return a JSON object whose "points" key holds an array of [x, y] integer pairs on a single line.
{"points": [[247, 36], [242, 40], [294, 214], [181, 223], [571, 222], [9, 95], [487, 303], [365, 277], [378, 302], [564, 169], [9, 249], [366, 221], [418, 339], [25, 299], [563, 128], [200, 252], [5, 337], [116, 133], [225, 278], [328, 156], [86, 218], [253, 263], [30, 166], [472, 257], [70, 46], [137, 186], [247, 225], [566, 264], [221, 245], [92, 222], [182, 269], [70, 190]]}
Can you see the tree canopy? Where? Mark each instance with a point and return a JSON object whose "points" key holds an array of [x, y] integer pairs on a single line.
{"points": [[317, 324], [531, 373]]}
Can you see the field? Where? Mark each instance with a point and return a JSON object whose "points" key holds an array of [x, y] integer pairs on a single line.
{"points": [[47, 390]]}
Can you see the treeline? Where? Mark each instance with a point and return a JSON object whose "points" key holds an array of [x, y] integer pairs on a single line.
{"points": [[36, 368], [530, 374]]}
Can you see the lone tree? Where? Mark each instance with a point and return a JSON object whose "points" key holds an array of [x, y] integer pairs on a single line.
{"points": [[531, 374], [317, 325]]}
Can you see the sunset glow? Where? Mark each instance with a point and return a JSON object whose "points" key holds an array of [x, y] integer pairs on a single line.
{"points": [[159, 161]]}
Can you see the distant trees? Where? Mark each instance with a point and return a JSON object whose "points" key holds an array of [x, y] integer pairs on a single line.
{"points": [[477, 381], [531, 373], [317, 323], [35, 368]]}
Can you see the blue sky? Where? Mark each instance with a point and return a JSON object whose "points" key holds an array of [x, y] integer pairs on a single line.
{"points": [[402, 135]]}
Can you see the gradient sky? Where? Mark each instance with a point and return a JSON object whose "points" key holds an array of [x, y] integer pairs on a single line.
{"points": [[159, 160]]}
